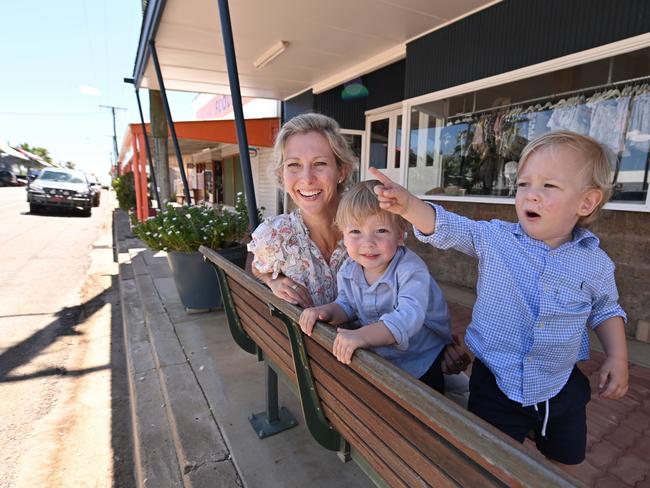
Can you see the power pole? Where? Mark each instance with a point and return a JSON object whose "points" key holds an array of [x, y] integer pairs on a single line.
{"points": [[115, 152]]}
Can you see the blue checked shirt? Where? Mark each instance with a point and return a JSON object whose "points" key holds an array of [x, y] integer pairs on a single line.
{"points": [[533, 302], [407, 300]]}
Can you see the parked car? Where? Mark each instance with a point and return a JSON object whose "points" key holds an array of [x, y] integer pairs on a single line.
{"points": [[32, 174], [62, 188], [7, 178], [95, 188]]}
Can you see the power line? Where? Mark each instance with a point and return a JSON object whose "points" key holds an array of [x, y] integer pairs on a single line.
{"points": [[113, 109], [44, 114]]}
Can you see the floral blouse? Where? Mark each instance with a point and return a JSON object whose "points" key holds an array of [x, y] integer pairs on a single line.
{"points": [[281, 244]]}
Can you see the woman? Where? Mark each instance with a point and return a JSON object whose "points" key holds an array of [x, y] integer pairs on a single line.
{"points": [[298, 254]]}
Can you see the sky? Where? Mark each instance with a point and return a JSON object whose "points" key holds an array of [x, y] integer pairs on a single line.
{"points": [[61, 60]]}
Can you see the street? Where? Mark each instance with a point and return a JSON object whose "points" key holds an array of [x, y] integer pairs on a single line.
{"points": [[63, 391]]}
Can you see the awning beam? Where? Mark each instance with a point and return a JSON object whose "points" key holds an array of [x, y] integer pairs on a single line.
{"points": [[170, 122]]}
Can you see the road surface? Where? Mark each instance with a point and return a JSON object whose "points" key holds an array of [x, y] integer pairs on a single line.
{"points": [[63, 392]]}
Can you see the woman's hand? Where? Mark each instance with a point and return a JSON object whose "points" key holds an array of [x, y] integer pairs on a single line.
{"points": [[290, 291], [456, 357]]}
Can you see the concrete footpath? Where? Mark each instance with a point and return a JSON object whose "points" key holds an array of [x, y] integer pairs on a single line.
{"points": [[192, 390]]}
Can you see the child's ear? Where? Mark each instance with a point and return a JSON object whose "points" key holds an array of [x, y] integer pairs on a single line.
{"points": [[591, 198]]}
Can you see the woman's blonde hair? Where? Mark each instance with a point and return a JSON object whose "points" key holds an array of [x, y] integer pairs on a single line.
{"points": [[596, 158], [360, 202], [329, 128]]}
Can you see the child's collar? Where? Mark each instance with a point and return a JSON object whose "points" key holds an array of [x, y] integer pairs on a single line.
{"points": [[580, 236]]}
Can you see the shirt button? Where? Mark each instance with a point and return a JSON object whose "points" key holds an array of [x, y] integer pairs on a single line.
{"points": [[541, 325], [530, 359]]}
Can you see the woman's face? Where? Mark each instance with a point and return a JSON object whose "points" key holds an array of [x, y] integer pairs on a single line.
{"points": [[310, 173]]}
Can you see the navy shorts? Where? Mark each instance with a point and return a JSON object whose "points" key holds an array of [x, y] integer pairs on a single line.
{"points": [[433, 377], [566, 429]]}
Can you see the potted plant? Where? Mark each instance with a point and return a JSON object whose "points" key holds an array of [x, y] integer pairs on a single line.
{"points": [[179, 231]]}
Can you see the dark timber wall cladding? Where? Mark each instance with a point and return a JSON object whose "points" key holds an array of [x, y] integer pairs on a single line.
{"points": [[517, 33], [385, 86], [299, 104], [350, 114]]}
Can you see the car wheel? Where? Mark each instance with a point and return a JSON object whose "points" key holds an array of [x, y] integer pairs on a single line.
{"points": [[87, 211], [34, 208]]}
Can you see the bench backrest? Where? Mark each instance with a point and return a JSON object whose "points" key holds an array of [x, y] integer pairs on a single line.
{"points": [[406, 433]]}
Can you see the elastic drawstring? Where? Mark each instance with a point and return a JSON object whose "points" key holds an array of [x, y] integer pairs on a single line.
{"points": [[546, 404]]}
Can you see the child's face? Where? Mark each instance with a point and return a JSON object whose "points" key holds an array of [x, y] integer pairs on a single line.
{"points": [[552, 194], [372, 244]]}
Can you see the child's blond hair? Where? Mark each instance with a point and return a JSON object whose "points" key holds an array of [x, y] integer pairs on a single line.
{"points": [[360, 202], [597, 160]]}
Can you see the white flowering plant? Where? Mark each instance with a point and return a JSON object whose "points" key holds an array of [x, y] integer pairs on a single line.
{"points": [[186, 228]]}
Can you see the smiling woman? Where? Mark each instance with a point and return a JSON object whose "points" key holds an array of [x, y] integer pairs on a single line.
{"points": [[297, 254]]}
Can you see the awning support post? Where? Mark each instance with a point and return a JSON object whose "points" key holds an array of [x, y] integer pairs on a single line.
{"points": [[235, 93], [154, 184], [272, 415], [170, 122]]}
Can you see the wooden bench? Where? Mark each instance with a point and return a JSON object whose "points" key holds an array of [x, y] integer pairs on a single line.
{"points": [[399, 431]]}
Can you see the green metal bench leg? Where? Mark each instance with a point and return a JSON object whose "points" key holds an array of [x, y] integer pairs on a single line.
{"points": [[274, 419], [318, 426], [236, 330]]}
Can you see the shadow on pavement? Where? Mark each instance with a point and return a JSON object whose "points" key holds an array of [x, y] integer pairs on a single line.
{"points": [[66, 324]]}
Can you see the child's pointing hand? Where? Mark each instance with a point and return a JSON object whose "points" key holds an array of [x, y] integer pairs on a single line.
{"points": [[392, 197]]}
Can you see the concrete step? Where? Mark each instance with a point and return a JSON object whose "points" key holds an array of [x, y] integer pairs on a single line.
{"points": [[177, 441]]}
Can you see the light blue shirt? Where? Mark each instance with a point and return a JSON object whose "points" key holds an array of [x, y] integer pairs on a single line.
{"points": [[407, 300], [533, 302]]}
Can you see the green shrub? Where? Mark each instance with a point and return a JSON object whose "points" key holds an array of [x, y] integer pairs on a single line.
{"points": [[124, 187], [186, 228]]}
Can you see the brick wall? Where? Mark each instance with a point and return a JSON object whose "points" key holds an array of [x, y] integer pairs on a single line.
{"points": [[625, 236]]}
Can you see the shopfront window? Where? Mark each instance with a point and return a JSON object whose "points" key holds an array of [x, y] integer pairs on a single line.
{"points": [[471, 144]]}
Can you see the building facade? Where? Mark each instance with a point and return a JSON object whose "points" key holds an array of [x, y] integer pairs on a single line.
{"points": [[449, 120]]}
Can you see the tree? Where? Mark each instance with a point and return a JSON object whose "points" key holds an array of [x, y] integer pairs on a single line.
{"points": [[39, 151], [69, 164]]}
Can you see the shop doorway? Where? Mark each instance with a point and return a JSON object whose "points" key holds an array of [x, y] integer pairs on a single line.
{"points": [[384, 141]]}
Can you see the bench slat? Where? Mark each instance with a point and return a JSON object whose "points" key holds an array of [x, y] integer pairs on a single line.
{"points": [[403, 460], [423, 444]]}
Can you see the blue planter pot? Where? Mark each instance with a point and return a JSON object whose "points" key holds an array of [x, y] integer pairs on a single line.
{"points": [[196, 280]]}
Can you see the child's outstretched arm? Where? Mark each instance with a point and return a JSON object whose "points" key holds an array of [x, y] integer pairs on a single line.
{"points": [[613, 376], [398, 200], [348, 341], [330, 312]]}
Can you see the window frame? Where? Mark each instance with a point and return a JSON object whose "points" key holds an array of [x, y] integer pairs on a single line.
{"points": [[601, 52]]}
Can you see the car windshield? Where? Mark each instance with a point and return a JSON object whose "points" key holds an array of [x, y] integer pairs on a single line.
{"points": [[62, 177]]}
